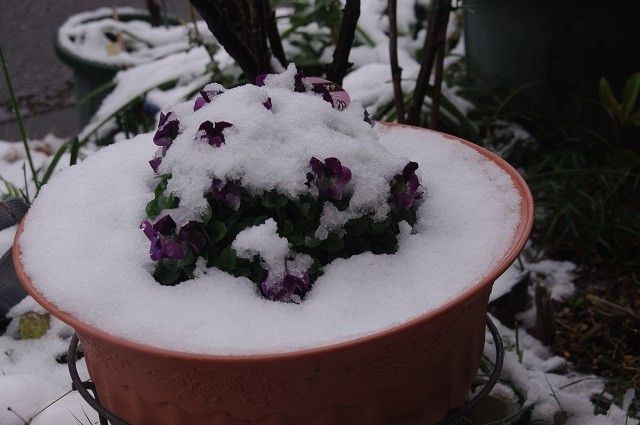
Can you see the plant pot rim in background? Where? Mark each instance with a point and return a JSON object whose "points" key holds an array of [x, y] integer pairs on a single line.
{"points": [[521, 236], [91, 67]]}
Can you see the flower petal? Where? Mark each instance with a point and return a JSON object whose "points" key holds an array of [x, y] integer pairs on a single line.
{"points": [[409, 170], [317, 166], [165, 225], [155, 163], [260, 80]]}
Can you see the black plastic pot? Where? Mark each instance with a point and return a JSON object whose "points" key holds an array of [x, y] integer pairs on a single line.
{"points": [[89, 75], [11, 292], [555, 51]]}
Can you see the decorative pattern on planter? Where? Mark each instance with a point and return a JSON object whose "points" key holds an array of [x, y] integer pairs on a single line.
{"points": [[101, 353]]}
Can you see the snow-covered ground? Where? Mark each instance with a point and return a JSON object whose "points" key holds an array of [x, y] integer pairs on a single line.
{"points": [[532, 377], [35, 388]]}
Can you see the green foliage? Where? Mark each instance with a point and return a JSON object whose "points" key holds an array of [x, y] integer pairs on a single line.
{"points": [[161, 201], [314, 27], [585, 180], [624, 114], [297, 220]]}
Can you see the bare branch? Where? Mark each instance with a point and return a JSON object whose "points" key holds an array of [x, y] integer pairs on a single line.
{"points": [[338, 68], [396, 71], [437, 89], [275, 42], [154, 13], [436, 37], [230, 23], [257, 39]]}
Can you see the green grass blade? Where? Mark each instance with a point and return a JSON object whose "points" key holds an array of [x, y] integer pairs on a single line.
{"points": [[630, 93], [16, 109], [54, 162]]}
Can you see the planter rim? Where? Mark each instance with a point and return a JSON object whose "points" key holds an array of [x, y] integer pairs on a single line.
{"points": [[520, 238], [73, 59]]}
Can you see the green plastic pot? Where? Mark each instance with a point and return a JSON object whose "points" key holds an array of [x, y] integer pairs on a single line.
{"points": [[555, 52], [91, 78]]}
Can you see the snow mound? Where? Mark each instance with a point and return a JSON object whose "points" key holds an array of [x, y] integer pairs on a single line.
{"points": [[270, 148], [84, 225]]}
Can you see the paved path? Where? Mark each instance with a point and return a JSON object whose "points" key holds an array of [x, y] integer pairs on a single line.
{"points": [[43, 84]]}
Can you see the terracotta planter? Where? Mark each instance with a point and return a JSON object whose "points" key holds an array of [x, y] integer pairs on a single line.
{"points": [[413, 373]]}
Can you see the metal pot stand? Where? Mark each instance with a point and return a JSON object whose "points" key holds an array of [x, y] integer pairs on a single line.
{"points": [[86, 388]]}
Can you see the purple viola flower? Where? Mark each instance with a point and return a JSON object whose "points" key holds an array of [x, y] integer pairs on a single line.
{"points": [[192, 234], [168, 128], [161, 245], [212, 133], [405, 191], [227, 193], [155, 163], [298, 82], [331, 177], [206, 95], [165, 225], [324, 91], [260, 79], [285, 288], [267, 103]]}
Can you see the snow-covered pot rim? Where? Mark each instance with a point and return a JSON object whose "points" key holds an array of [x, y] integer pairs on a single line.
{"points": [[74, 60], [522, 232]]}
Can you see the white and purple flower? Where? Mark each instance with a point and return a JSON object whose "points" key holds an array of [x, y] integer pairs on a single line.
{"points": [[406, 191], [168, 129], [192, 235], [161, 245], [330, 177], [212, 133], [286, 288], [227, 193], [207, 94]]}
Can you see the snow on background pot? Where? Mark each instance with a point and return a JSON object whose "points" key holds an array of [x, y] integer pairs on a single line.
{"points": [[101, 37]]}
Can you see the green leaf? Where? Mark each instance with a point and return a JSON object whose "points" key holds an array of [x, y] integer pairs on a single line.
{"points": [[630, 93], [608, 99], [273, 200], [54, 162], [379, 227], [227, 259], [357, 226], [343, 203], [167, 273], [217, 230], [311, 241], [155, 206], [258, 274], [634, 119], [75, 149], [172, 202], [333, 243], [259, 220], [287, 228], [354, 245], [160, 187]]}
